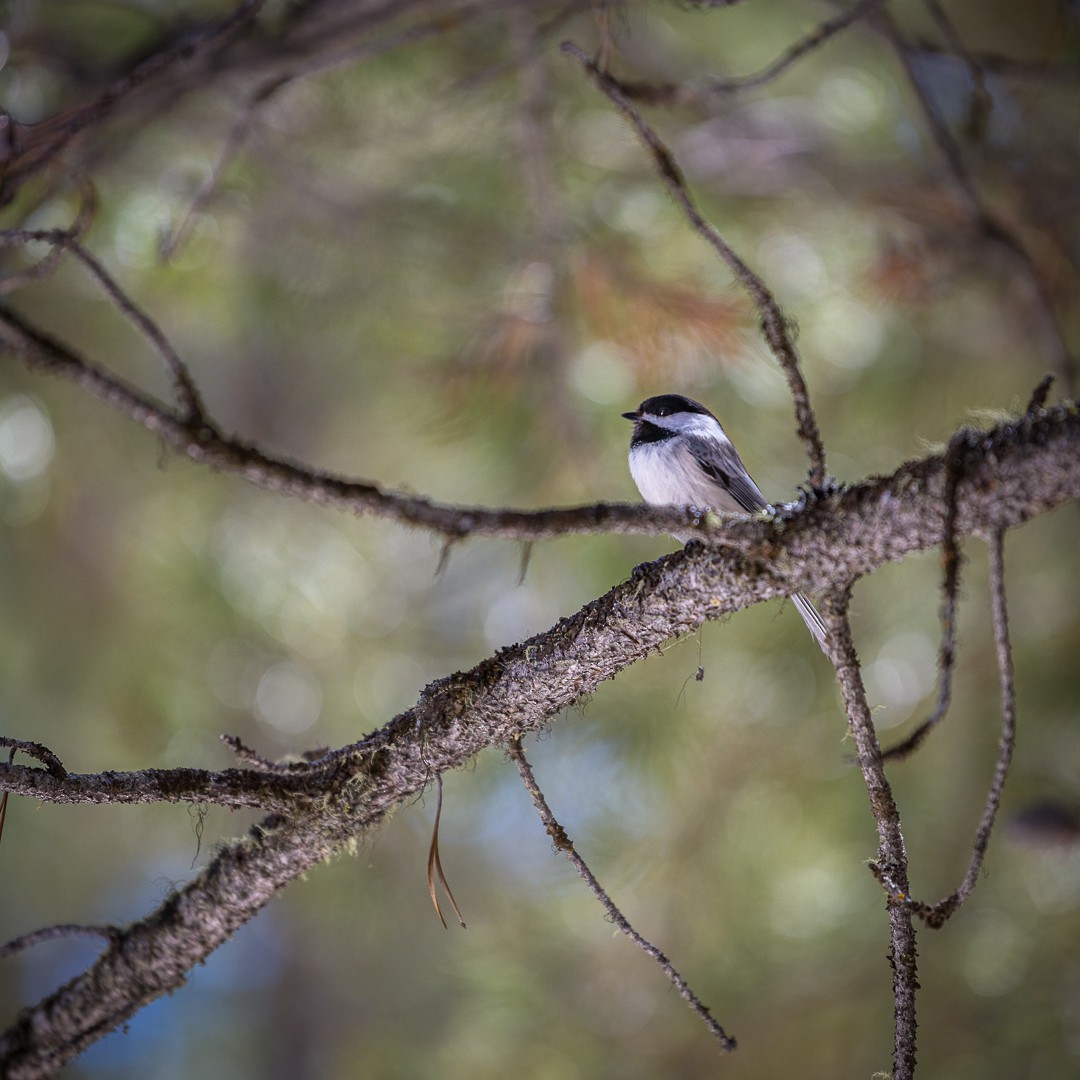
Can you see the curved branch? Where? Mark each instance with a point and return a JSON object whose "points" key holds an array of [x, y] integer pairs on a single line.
{"points": [[563, 843], [717, 85], [51, 933], [200, 442], [54, 766], [62, 240]]}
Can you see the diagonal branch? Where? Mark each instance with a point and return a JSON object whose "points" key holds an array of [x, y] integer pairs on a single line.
{"points": [[65, 240], [319, 63], [982, 101], [559, 838]]}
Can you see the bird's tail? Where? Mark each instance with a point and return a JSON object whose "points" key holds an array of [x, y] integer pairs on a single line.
{"points": [[812, 619]]}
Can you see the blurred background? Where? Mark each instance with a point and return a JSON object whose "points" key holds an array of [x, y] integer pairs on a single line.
{"points": [[447, 266]]}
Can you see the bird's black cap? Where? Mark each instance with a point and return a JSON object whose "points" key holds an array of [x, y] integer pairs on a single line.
{"points": [[666, 405]]}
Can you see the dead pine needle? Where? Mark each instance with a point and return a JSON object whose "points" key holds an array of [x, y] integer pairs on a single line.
{"points": [[440, 569], [526, 558], [434, 864]]}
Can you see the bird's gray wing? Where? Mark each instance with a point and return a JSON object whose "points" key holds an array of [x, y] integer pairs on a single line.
{"points": [[721, 463]]}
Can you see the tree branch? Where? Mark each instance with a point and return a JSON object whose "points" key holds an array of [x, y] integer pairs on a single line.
{"points": [[201, 443], [682, 94], [951, 562], [936, 915], [230, 787], [891, 864], [1006, 476], [564, 844]]}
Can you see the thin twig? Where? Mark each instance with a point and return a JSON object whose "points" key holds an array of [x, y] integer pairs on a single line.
{"points": [[1039, 395], [982, 101], [943, 910], [681, 94], [935, 122], [39, 752], [47, 264], [566, 846], [950, 588], [812, 41], [268, 89], [774, 325], [51, 933], [230, 148], [257, 761], [186, 392], [65, 240], [936, 915]]}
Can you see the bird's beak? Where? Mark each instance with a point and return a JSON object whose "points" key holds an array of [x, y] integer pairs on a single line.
{"points": [[632, 415]]}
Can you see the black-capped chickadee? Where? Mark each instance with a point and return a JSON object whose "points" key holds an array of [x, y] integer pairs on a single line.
{"points": [[680, 456]]}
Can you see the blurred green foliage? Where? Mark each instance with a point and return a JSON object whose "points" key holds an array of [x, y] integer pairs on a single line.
{"points": [[367, 291]]}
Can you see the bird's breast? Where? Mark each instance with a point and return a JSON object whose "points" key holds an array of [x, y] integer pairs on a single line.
{"points": [[667, 474]]}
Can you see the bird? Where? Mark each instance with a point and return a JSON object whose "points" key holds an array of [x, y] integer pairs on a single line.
{"points": [[681, 456]]}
